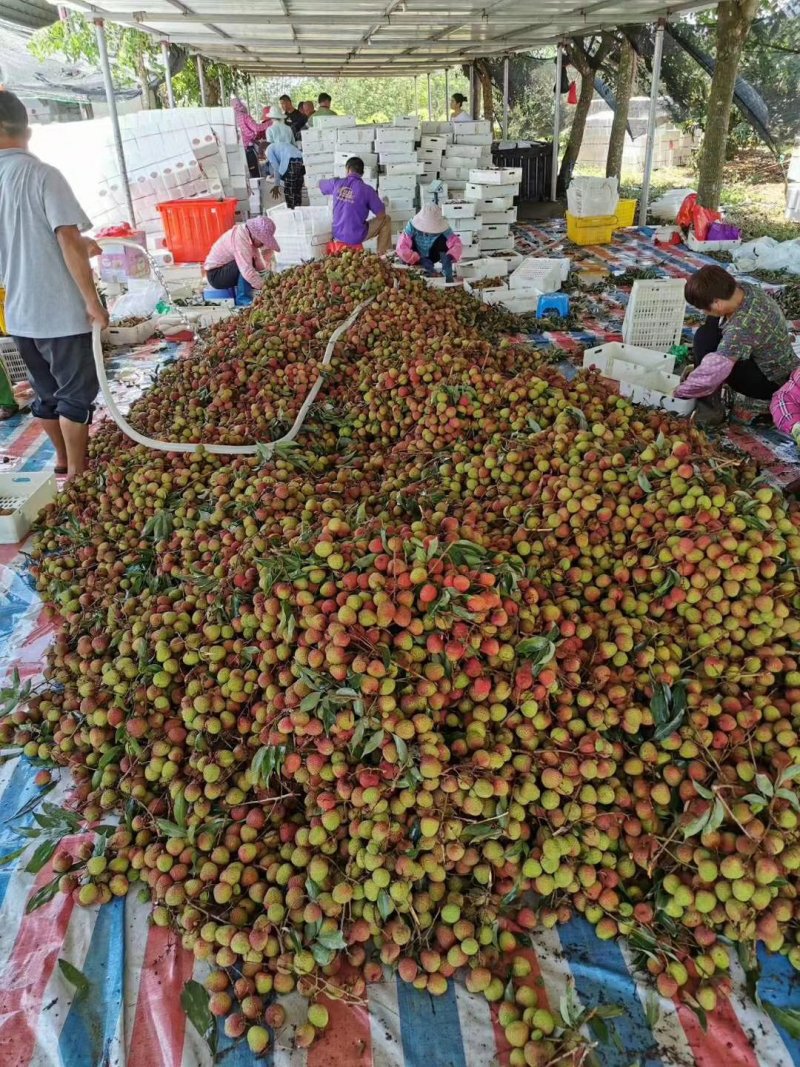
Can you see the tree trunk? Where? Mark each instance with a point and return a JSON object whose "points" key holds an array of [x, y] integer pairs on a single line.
{"points": [[624, 90], [212, 90], [734, 19], [578, 127], [485, 81], [144, 83]]}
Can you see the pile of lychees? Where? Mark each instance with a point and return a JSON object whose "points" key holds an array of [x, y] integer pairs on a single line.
{"points": [[481, 649]]}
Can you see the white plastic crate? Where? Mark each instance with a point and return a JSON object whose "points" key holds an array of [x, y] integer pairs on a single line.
{"points": [[545, 274], [23, 494], [616, 358], [654, 315], [12, 361]]}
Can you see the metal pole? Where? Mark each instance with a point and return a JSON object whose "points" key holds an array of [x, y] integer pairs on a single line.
{"points": [[447, 92], [430, 100], [557, 120], [651, 123], [201, 75], [474, 91], [167, 74], [505, 99], [111, 100], [416, 95]]}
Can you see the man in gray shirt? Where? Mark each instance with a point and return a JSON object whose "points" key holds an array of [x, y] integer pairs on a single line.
{"points": [[51, 300]]}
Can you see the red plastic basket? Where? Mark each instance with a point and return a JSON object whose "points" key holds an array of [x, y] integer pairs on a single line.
{"points": [[192, 226]]}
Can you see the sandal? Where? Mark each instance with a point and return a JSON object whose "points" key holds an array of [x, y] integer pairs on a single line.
{"points": [[60, 472], [8, 413]]}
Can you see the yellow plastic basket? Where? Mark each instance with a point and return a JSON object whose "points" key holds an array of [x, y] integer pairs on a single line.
{"points": [[2, 309], [592, 230], [626, 212]]}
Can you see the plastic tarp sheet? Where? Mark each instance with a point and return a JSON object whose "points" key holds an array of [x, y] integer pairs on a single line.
{"points": [[768, 254]]}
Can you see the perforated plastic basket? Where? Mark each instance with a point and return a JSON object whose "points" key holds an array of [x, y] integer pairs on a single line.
{"points": [[654, 315], [12, 361], [23, 494]]}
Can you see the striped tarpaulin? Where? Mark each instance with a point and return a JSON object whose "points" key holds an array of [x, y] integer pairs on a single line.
{"points": [[130, 1014]]}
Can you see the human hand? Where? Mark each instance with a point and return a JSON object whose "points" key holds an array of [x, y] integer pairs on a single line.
{"points": [[276, 192], [92, 247], [687, 370], [97, 314]]}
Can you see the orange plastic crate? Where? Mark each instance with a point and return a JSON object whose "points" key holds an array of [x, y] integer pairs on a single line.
{"points": [[192, 226]]}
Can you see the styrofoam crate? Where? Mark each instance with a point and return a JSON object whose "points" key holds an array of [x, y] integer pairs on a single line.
{"points": [[656, 398], [609, 358], [711, 246], [511, 259], [482, 191], [471, 127], [130, 335], [542, 273], [493, 233], [434, 142], [458, 209], [301, 222], [23, 494], [497, 176], [497, 244], [16, 370], [654, 315], [521, 301], [482, 140], [497, 294]]}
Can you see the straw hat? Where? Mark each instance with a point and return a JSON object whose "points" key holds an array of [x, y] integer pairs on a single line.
{"points": [[430, 220]]}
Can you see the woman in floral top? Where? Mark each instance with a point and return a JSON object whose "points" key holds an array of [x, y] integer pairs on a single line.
{"points": [[743, 343]]}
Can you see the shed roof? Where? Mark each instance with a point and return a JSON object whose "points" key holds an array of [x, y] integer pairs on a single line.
{"points": [[371, 37]]}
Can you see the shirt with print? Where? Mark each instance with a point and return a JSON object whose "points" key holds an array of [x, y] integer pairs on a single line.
{"points": [[353, 200], [42, 299], [757, 330]]}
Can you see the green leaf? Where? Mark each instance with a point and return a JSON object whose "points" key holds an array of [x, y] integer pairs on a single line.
{"points": [[652, 1010], [113, 753], [373, 742], [34, 802], [671, 581], [169, 829], [180, 810], [194, 1001], [41, 856], [598, 1028], [75, 978], [764, 785], [481, 831], [787, 795], [11, 856], [697, 825], [402, 748], [44, 896], [787, 1018], [790, 773], [660, 703], [310, 702], [755, 800], [333, 940], [385, 905], [702, 791], [644, 482], [323, 956], [716, 817]]}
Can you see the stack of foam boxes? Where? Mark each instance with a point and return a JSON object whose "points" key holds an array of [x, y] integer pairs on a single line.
{"points": [[484, 215], [400, 170], [319, 153]]}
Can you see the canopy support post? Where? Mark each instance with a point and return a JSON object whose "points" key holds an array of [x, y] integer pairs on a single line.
{"points": [[505, 98], [167, 74], [430, 100], [556, 121], [473, 82], [447, 92], [651, 122], [201, 76], [111, 100]]}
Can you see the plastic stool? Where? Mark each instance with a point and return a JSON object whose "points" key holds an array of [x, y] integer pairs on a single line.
{"points": [[553, 302], [211, 295]]}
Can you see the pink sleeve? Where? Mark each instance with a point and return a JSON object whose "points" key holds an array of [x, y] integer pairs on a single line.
{"points": [[785, 405], [244, 252], [405, 249], [707, 378], [455, 247]]}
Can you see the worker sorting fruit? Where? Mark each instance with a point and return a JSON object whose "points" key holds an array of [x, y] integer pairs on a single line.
{"points": [[427, 240], [239, 257], [785, 407], [353, 202], [744, 343]]}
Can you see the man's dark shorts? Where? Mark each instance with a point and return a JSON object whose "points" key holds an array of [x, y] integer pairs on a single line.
{"points": [[62, 373]]}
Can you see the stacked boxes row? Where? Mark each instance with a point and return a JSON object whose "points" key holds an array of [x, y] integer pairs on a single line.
{"points": [[484, 216], [450, 150]]}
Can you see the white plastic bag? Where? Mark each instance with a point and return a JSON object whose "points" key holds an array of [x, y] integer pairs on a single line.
{"points": [[137, 303]]}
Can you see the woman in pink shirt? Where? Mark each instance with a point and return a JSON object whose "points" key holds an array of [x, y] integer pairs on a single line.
{"points": [[237, 260]]}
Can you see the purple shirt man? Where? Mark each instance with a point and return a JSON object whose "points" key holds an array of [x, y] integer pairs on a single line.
{"points": [[353, 200]]}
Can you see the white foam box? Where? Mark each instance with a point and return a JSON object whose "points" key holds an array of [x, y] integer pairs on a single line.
{"points": [[615, 357], [405, 122], [392, 158], [471, 252], [539, 272], [434, 128], [394, 135], [454, 159], [482, 191], [522, 301], [456, 187], [497, 176], [497, 244], [355, 135], [369, 159], [468, 151], [359, 150], [656, 392], [429, 174], [499, 218], [319, 139], [494, 295], [433, 142], [471, 127], [467, 236], [482, 140], [23, 494], [429, 155], [397, 206], [412, 168], [336, 122], [493, 232], [457, 209], [130, 335], [397, 182], [454, 174]]}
